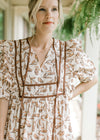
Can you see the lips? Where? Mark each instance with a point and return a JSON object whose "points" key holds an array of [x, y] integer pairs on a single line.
{"points": [[48, 22]]}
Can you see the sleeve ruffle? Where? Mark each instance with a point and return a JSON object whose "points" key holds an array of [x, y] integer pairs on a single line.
{"points": [[84, 67]]}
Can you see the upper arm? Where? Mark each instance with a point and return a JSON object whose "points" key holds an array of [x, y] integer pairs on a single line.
{"points": [[3, 115], [3, 103]]}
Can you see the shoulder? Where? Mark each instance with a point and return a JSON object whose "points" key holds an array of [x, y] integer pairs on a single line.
{"points": [[8, 52], [8, 45], [11, 42], [7, 49], [6, 42], [72, 46], [72, 43]]}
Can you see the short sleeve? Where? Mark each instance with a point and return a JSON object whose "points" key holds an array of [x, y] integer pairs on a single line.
{"points": [[5, 82], [84, 67]]}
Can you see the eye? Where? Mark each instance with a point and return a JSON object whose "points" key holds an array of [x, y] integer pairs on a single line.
{"points": [[41, 9], [54, 9]]}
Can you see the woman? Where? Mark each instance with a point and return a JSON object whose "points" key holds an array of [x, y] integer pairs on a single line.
{"points": [[38, 76]]}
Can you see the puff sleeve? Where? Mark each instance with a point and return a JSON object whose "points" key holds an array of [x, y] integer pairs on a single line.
{"points": [[84, 67], [5, 77]]}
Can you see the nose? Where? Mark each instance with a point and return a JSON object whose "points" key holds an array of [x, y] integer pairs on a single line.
{"points": [[48, 14]]}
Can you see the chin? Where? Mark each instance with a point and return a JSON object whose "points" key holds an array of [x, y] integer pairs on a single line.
{"points": [[49, 29]]}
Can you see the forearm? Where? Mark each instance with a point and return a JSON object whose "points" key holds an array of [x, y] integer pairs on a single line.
{"points": [[3, 115], [83, 87]]}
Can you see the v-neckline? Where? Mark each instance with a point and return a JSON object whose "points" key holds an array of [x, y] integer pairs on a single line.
{"points": [[31, 50]]}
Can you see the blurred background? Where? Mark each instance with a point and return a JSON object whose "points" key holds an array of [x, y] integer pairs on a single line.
{"points": [[81, 20]]}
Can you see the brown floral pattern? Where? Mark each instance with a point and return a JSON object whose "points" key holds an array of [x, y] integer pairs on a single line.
{"points": [[39, 96]]}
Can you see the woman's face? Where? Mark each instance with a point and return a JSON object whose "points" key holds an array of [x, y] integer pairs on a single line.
{"points": [[47, 16]]}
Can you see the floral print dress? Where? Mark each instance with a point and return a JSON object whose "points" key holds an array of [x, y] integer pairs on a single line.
{"points": [[39, 96]]}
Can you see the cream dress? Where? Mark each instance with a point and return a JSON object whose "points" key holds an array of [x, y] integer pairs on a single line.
{"points": [[39, 96]]}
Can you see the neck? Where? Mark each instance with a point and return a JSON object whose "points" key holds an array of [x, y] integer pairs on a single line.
{"points": [[41, 41]]}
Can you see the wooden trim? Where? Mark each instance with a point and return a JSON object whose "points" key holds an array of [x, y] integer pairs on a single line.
{"points": [[4, 5]]}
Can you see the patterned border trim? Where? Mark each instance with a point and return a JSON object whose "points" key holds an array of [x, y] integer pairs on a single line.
{"points": [[28, 59], [18, 88], [58, 78], [64, 67], [21, 63], [42, 96], [60, 61], [16, 66], [40, 84]]}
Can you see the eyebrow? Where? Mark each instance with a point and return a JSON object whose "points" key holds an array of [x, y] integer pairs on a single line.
{"points": [[52, 6]]}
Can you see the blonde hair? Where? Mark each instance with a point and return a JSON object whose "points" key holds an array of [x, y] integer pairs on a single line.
{"points": [[34, 6]]}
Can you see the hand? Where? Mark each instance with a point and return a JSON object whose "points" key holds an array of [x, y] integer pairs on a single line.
{"points": [[82, 87]]}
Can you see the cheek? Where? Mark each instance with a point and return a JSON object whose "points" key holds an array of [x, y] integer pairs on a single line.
{"points": [[56, 15], [39, 17]]}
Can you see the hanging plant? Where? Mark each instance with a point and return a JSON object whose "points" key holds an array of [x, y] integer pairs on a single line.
{"points": [[66, 30], [85, 15]]}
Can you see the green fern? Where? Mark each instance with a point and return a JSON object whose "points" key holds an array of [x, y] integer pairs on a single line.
{"points": [[86, 15]]}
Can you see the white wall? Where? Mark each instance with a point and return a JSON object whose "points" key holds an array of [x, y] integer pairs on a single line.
{"points": [[13, 28], [6, 6], [89, 111], [18, 29]]}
